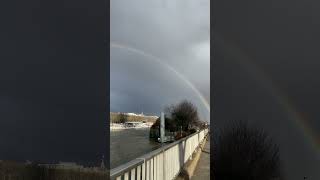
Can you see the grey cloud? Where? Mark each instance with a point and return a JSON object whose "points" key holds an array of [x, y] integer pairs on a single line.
{"points": [[178, 33]]}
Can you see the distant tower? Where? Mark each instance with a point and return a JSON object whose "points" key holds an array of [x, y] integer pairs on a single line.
{"points": [[102, 166], [141, 108], [162, 127]]}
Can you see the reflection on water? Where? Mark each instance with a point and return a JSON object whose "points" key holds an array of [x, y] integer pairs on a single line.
{"points": [[126, 145]]}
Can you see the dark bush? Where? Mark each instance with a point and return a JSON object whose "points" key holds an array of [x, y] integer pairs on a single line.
{"points": [[245, 153]]}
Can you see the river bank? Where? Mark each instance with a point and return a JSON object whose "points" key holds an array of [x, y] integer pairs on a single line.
{"points": [[124, 126]]}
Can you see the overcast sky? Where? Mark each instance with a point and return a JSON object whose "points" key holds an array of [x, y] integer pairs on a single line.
{"points": [[52, 81], [176, 32], [266, 70]]}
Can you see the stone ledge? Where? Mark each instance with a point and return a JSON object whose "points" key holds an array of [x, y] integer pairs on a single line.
{"points": [[189, 168]]}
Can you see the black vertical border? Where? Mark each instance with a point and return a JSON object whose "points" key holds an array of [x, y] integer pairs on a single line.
{"points": [[53, 61], [212, 94], [107, 44]]}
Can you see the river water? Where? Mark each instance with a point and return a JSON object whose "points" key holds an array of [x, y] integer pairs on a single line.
{"points": [[126, 145]]}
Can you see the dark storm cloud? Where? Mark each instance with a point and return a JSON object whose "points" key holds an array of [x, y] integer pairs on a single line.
{"points": [[280, 39], [177, 32], [52, 75]]}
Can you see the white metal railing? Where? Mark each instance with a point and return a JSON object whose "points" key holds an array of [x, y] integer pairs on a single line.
{"points": [[164, 163]]}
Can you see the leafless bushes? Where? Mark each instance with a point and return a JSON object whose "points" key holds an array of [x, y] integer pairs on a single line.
{"points": [[245, 153], [183, 114], [17, 171]]}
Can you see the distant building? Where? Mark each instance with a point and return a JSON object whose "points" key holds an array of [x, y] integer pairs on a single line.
{"points": [[132, 117], [28, 162]]}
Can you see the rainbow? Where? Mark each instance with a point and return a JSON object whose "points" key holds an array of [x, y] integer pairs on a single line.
{"points": [[162, 63], [265, 80]]}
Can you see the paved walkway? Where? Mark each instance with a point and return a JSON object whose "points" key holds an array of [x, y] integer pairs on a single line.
{"points": [[202, 171]]}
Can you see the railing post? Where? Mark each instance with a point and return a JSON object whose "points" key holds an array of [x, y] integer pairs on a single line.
{"points": [[164, 164], [143, 168]]}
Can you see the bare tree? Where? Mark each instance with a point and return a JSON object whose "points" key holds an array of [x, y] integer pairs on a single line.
{"points": [[184, 114], [245, 153]]}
